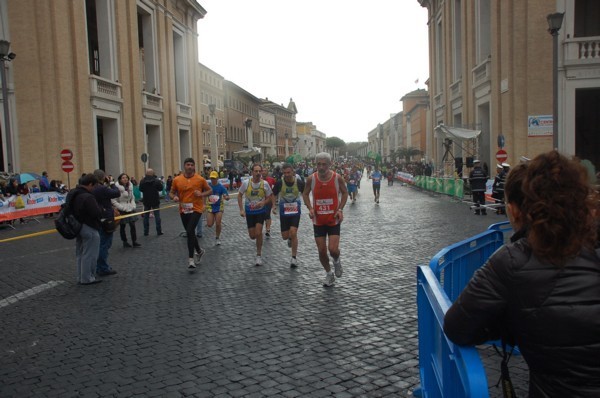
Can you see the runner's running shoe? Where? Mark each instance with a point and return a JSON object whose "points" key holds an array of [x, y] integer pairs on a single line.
{"points": [[198, 256], [258, 262], [329, 280], [293, 262], [191, 263], [337, 265]]}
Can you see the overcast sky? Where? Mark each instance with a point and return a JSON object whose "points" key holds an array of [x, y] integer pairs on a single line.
{"points": [[346, 63]]}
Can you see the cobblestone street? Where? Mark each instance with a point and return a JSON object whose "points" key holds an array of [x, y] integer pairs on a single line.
{"points": [[229, 329]]}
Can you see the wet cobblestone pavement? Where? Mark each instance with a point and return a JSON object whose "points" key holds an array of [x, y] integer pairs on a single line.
{"points": [[230, 329]]}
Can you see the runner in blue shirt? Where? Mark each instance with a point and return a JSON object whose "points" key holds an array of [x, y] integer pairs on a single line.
{"points": [[217, 205], [352, 183], [376, 176]]}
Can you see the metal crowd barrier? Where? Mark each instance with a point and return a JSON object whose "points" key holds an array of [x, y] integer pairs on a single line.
{"points": [[448, 370]]}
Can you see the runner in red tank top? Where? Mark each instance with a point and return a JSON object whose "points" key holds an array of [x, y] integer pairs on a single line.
{"points": [[326, 210]]}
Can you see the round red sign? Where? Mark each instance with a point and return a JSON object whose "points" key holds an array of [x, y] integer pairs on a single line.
{"points": [[67, 166], [66, 154], [501, 155]]}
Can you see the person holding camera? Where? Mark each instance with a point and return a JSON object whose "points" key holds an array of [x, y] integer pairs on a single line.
{"points": [[151, 187], [104, 191]]}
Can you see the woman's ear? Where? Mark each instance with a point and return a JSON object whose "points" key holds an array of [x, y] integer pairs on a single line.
{"points": [[514, 215]]}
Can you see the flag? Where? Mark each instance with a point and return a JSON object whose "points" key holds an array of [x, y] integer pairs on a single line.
{"points": [[417, 81]]}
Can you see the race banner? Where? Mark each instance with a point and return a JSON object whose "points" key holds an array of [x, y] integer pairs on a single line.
{"points": [[33, 204]]}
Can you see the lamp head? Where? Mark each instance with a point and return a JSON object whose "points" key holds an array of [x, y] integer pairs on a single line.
{"points": [[212, 108], [4, 48], [555, 21]]}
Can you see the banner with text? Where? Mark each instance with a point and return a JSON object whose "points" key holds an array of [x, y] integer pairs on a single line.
{"points": [[33, 204]]}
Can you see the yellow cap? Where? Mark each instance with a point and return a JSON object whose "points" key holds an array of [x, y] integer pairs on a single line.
{"points": [[214, 174]]}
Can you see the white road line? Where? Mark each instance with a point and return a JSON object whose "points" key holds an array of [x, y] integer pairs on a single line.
{"points": [[28, 293]]}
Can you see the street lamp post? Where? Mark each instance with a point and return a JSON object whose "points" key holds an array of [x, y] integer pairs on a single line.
{"points": [[214, 149], [6, 56], [250, 136], [554, 24], [286, 145], [380, 140]]}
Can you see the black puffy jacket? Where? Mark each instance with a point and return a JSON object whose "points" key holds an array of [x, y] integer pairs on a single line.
{"points": [[552, 314]]}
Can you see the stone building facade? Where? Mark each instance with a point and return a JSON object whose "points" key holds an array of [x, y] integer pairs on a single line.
{"points": [[108, 79]]}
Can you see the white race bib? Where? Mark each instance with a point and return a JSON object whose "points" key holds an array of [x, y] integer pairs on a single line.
{"points": [[212, 199], [187, 208], [324, 206], [290, 208]]}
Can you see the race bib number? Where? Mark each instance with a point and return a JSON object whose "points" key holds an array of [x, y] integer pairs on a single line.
{"points": [[254, 205], [290, 209], [324, 206], [187, 208], [375, 180], [352, 182], [212, 199]]}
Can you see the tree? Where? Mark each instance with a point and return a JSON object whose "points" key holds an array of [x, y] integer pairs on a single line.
{"points": [[335, 144], [408, 153]]}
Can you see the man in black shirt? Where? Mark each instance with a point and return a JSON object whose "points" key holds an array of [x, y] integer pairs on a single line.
{"points": [[477, 179], [150, 187]]}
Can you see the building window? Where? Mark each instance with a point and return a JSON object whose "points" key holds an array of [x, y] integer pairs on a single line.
{"points": [[146, 44], [483, 30], [100, 20], [439, 59], [179, 63], [587, 17], [457, 40]]}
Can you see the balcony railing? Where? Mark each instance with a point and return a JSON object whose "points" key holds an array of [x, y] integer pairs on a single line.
{"points": [[455, 89], [184, 110], [152, 100], [482, 72], [582, 50], [102, 87]]}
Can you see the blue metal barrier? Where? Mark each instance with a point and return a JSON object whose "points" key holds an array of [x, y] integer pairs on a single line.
{"points": [[446, 369], [454, 265]]}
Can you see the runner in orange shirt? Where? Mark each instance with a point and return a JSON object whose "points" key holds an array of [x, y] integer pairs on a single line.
{"points": [[329, 198], [190, 189]]}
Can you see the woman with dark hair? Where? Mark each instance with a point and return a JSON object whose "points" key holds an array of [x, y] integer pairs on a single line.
{"points": [[126, 205], [541, 291]]}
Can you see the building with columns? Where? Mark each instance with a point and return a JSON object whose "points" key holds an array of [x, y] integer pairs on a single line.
{"points": [[211, 92], [285, 127], [242, 118], [491, 72], [268, 141], [109, 80]]}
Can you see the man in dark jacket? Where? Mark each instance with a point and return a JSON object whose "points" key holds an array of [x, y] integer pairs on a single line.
{"points": [[86, 210], [104, 191], [477, 179], [150, 187]]}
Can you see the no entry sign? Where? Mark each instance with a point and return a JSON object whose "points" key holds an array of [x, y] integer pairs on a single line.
{"points": [[66, 154], [501, 156], [67, 166]]}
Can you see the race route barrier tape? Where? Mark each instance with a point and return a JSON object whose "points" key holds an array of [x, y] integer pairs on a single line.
{"points": [[50, 231]]}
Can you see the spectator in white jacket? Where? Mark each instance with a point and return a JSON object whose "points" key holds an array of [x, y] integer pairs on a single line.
{"points": [[126, 205]]}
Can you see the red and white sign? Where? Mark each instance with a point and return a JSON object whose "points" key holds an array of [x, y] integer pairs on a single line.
{"points": [[501, 156], [67, 166], [66, 154]]}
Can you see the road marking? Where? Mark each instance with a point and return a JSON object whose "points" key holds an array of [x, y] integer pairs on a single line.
{"points": [[28, 293]]}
